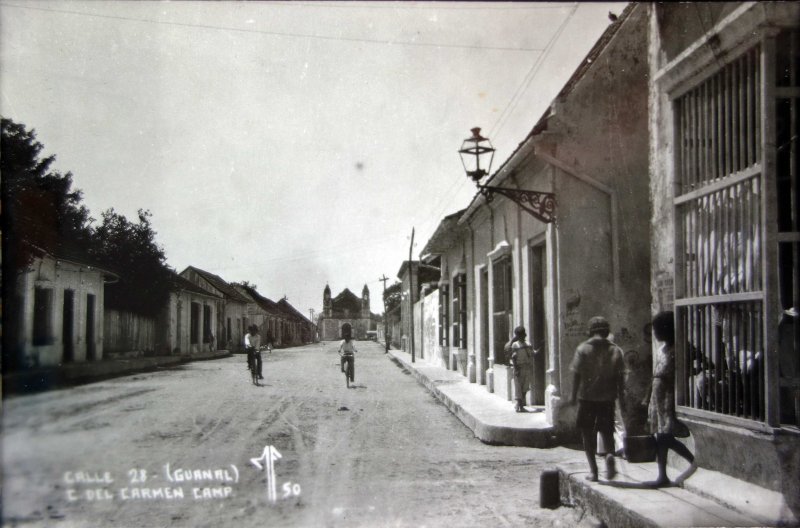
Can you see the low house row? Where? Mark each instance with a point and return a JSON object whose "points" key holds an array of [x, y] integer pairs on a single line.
{"points": [[671, 159], [60, 317]]}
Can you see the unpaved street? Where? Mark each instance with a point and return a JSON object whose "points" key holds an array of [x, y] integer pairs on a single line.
{"points": [[174, 448]]}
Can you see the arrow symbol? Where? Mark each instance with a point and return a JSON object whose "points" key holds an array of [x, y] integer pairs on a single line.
{"points": [[268, 457]]}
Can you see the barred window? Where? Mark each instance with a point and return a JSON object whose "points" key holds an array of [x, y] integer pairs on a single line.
{"points": [[444, 322], [719, 239], [501, 316], [787, 131], [721, 249], [460, 311]]}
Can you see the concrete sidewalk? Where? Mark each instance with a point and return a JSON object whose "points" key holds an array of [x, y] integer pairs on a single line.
{"points": [[45, 378], [707, 498]]}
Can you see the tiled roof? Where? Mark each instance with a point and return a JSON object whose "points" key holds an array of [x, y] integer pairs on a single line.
{"points": [[266, 304], [220, 284], [182, 283], [283, 303], [446, 234]]}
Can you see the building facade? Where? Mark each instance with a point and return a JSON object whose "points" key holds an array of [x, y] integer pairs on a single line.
{"points": [[60, 312], [502, 267], [346, 310], [224, 317], [186, 319], [724, 101]]}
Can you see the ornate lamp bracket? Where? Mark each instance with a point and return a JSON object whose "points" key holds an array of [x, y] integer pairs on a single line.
{"points": [[540, 205]]}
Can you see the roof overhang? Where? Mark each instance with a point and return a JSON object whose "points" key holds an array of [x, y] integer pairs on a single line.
{"points": [[446, 236]]}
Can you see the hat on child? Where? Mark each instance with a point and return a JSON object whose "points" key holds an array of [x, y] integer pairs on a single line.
{"points": [[598, 324]]}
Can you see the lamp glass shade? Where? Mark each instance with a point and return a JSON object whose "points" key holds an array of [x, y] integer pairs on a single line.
{"points": [[477, 155]]}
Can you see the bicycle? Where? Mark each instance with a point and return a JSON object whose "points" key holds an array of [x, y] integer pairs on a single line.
{"points": [[349, 368], [256, 361]]}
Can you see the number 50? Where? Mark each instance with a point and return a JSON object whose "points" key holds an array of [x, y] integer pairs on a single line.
{"points": [[291, 490]]}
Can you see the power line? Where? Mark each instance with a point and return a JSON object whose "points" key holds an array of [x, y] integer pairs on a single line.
{"points": [[513, 102], [276, 33], [526, 81], [321, 254]]}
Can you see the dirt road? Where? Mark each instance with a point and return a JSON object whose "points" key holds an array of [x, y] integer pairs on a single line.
{"points": [[174, 448]]}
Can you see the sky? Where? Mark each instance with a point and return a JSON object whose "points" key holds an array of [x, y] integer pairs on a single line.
{"points": [[287, 144]]}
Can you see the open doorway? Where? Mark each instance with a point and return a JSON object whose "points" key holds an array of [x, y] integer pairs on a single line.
{"points": [[91, 350], [484, 322], [538, 333], [68, 326]]}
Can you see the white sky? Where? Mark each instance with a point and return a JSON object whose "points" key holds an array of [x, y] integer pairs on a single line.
{"points": [[286, 144]]}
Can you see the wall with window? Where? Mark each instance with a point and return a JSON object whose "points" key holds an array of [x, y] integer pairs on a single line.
{"points": [[433, 329], [62, 313], [724, 184], [184, 324]]}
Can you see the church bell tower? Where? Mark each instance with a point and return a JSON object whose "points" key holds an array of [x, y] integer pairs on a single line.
{"points": [[365, 302], [327, 304]]}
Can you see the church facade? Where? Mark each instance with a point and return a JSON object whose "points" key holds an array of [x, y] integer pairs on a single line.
{"points": [[343, 312]]}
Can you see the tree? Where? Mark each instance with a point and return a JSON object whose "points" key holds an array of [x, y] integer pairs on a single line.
{"points": [[42, 214], [246, 284], [392, 296], [130, 250]]}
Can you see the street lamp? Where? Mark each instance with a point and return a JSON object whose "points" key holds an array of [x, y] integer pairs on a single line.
{"points": [[476, 153]]}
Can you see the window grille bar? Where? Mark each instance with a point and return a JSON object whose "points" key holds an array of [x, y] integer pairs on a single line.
{"points": [[691, 220], [718, 118], [736, 121], [696, 159], [729, 250], [749, 95]]}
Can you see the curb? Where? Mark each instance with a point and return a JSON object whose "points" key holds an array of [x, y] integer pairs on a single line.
{"points": [[486, 433], [575, 492]]}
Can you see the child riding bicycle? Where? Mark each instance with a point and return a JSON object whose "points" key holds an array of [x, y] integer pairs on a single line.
{"points": [[253, 346], [347, 350]]}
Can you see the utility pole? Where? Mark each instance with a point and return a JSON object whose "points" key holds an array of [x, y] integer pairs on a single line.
{"points": [[383, 279], [411, 292]]}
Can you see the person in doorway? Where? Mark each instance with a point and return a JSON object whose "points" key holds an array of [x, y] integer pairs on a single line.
{"points": [[521, 359], [663, 422], [598, 380], [347, 350]]}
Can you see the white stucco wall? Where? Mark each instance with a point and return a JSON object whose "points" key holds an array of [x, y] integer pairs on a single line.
{"points": [[58, 276]]}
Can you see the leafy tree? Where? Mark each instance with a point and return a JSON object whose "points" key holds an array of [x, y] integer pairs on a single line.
{"points": [[392, 296], [129, 249], [246, 284], [41, 212]]}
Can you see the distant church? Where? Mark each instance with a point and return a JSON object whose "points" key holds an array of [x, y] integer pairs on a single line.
{"points": [[343, 312]]}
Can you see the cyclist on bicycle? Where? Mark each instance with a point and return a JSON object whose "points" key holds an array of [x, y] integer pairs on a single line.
{"points": [[347, 350], [253, 345]]}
